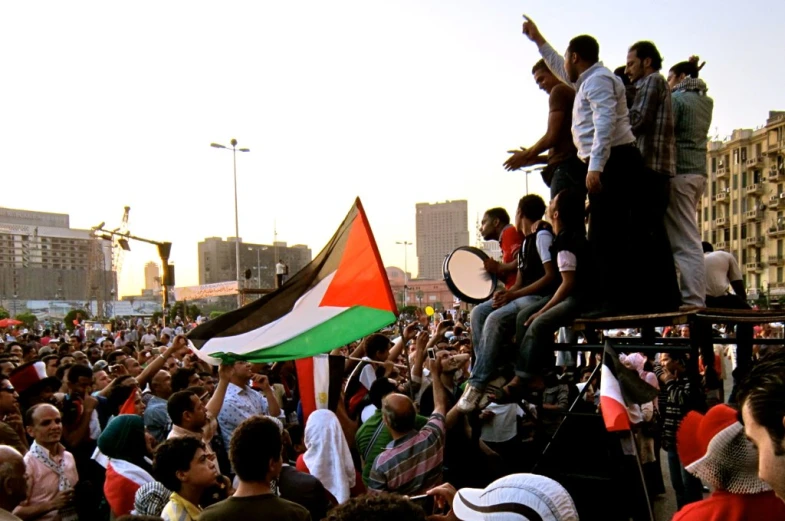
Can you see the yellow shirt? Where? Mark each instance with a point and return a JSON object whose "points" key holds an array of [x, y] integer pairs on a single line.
{"points": [[180, 509]]}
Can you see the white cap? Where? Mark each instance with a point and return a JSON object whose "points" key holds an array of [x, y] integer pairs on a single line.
{"points": [[518, 497]]}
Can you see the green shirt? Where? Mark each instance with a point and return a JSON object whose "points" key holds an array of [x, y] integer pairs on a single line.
{"points": [[365, 434], [692, 111]]}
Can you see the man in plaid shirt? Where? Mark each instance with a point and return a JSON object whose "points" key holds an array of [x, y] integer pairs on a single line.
{"points": [[651, 119]]}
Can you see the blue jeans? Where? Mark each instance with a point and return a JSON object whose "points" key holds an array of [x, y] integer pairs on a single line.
{"points": [[689, 489], [536, 340], [570, 174], [490, 329]]}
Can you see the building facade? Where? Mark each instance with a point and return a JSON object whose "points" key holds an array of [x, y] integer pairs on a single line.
{"points": [[217, 261], [441, 227], [743, 208], [419, 292], [43, 258], [152, 277]]}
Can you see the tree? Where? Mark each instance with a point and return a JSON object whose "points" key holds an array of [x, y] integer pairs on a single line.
{"points": [[157, 315], [216, 314], [408, 310], [4, 313], [28, 319], [192, 311], [71, 316], [420, 295]]}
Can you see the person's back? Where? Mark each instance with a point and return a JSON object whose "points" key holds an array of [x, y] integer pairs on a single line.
{"points": [[721, 269], [255, 453], [303, 489], [692, 113]]}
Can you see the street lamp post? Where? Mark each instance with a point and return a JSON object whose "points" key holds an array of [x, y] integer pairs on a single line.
{"points": [[405, 245], [233, 142]]}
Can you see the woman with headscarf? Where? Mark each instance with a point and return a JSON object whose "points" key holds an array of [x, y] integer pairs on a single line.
{"points": [[713, 447], [128, 450], [328, 458]]}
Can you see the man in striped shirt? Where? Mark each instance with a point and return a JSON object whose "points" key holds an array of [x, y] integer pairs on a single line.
{"points": [[412, 463]]}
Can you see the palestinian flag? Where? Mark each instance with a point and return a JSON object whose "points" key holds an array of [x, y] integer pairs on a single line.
{"points": [[341, 296], [620, 386]]}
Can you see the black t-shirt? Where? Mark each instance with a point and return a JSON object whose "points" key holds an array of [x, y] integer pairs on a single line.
{"points": [[253, 508]]}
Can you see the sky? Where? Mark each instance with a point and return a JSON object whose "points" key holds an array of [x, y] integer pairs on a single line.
{"points": [[108, 104]]}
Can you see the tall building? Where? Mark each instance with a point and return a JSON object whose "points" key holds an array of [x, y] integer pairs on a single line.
{"points": [[43, 258], [742, 211], [441, 227], [217, 261], [152, 276]]}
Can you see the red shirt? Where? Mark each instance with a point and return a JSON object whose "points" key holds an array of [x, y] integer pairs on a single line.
{"points": [[724, 506], [510, 242]]}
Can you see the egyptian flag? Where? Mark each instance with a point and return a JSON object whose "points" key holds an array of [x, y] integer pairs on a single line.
{"points": [[620, 386], [319, 378], [341, 296]]}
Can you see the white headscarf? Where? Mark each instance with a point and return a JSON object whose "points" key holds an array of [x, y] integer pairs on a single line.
{"points": [[327, 456]]}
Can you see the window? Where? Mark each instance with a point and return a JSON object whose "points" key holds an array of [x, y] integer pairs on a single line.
{"points": [[736, 207], [743, 154], [713, 236], [736, 234], [759, 150], [705, 214], [736, 156], [743, 231], [744, 180], [735, 181], [744, 205], [779, 247], [779, 274], [713, 165], [744, 256]]}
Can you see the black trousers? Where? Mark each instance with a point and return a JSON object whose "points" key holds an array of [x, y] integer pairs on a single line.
{"points": [[632, 261]]}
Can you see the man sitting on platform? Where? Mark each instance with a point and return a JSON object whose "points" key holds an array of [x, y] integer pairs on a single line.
{"points": [[493, 322]]}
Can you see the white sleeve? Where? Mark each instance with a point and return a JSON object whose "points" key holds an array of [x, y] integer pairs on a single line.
{"points": [[600, 92], [555, 62], [566, 261], [544, 241]]}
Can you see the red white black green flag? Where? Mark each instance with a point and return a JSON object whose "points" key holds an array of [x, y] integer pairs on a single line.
{"points": [[341, 296]]}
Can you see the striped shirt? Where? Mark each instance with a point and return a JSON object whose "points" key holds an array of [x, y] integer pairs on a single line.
{"points": [[412, 464], [180, 509], [692, 110], [651, 117]]}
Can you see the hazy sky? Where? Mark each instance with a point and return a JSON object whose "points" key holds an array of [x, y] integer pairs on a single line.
{"points": [[107, 104]]}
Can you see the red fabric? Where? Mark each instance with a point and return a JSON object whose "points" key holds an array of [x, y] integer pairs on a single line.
{"points": [[120, 492], [724, 506], [357, 490], [696, 431], [511, 240], [129, 407], [305, 382], [354, 401]]}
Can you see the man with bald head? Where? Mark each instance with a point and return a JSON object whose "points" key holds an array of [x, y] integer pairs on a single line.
{"points": [[51, 470], [12, 477], [412, 462], [156, 418]]}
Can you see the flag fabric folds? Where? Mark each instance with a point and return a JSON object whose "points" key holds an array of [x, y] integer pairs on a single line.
{"points": [[319, 379], [339, 297], [619, 387]]}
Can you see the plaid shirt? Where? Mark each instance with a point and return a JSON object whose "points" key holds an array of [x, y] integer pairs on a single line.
{"points": [[692, 110], [651, 117]]}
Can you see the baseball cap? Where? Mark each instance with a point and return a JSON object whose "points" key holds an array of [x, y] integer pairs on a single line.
{"points": [[46, 350], [517, 497]]}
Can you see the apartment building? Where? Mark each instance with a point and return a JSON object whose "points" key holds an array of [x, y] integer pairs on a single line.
{"points": [[743, 209]]}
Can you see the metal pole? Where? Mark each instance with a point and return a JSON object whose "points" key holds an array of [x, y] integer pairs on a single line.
{"points": [[236, 224], [405, 273], [258, 268]]}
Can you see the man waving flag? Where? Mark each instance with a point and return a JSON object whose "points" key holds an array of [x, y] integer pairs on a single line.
{"points": [[339, 297]]}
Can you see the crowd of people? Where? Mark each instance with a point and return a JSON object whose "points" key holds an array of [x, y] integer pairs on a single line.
{"points": [[440, 417]]}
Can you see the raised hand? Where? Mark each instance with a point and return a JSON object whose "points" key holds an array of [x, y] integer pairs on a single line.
{"points": [[531, 31]]}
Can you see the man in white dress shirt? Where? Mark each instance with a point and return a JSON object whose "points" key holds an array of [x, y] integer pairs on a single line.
{"points": [[603, 136]]}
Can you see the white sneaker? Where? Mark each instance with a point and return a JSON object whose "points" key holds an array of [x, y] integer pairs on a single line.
{"points": [[469, 399]]}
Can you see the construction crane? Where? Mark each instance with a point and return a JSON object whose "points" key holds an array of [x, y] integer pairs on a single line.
{"points": [[120, 244], [97, 271]]}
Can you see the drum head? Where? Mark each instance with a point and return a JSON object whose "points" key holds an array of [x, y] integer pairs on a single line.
{"points": [[465, 275]]}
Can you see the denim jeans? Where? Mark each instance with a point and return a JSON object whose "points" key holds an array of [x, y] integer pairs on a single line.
{"points": [[689, 489], [490, 329], [570, 174], [536, 340]]}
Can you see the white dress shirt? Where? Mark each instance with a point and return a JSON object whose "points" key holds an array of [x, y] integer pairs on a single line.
{"points": [[599, 115], [239, 403]]}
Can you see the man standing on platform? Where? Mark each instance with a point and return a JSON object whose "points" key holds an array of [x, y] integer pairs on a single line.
{"points": [[281, 270], [603, 137]]}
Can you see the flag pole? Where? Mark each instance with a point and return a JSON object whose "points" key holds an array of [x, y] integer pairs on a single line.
{"points": [[630, 448]]}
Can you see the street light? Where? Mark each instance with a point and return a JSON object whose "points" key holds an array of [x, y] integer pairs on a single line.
{"points": [[528, 171], [233, 142], [258, 265], [405, 245]]}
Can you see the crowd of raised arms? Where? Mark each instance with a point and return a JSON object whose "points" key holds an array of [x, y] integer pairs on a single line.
{"points": [[443, 416]]}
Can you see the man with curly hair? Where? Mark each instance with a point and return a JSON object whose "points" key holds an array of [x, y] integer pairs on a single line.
{"points": [[379, 507]]}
